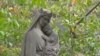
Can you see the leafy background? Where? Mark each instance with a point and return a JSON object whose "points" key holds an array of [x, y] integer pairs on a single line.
{"points": [[15, 18]]}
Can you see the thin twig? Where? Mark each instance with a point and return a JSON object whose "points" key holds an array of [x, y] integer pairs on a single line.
{"points": [[87, 13]]}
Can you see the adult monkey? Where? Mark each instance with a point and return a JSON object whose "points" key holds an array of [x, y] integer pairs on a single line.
{"points": [[34, 40], [52, 44]]}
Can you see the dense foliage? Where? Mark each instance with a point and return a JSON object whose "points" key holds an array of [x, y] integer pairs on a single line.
{"points": [[15, 17]]}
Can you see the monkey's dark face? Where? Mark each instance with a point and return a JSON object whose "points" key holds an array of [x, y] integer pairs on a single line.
{"points": [[44, 21], [46, 15], [45, 18]]}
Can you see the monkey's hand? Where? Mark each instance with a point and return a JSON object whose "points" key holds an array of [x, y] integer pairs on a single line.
{"points": [[49, 39], [46, 38]]}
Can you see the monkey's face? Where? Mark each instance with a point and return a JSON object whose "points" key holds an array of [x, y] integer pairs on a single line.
{"points": [[45, 18], [44, 21]]}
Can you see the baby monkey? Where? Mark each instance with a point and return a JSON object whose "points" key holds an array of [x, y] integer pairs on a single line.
{"points": [[47, 30]]}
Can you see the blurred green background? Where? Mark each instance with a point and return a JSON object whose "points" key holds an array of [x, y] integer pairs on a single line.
{"points": [[15, 17]]}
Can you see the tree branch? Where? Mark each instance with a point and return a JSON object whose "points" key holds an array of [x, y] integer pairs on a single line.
{"points": [[87, 13]]}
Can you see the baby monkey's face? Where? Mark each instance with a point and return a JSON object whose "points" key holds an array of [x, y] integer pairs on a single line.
{"points": [[47, 30]]}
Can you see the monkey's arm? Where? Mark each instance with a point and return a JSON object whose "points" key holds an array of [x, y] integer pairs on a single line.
{"points": [[29, 44], [46, 38]]}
